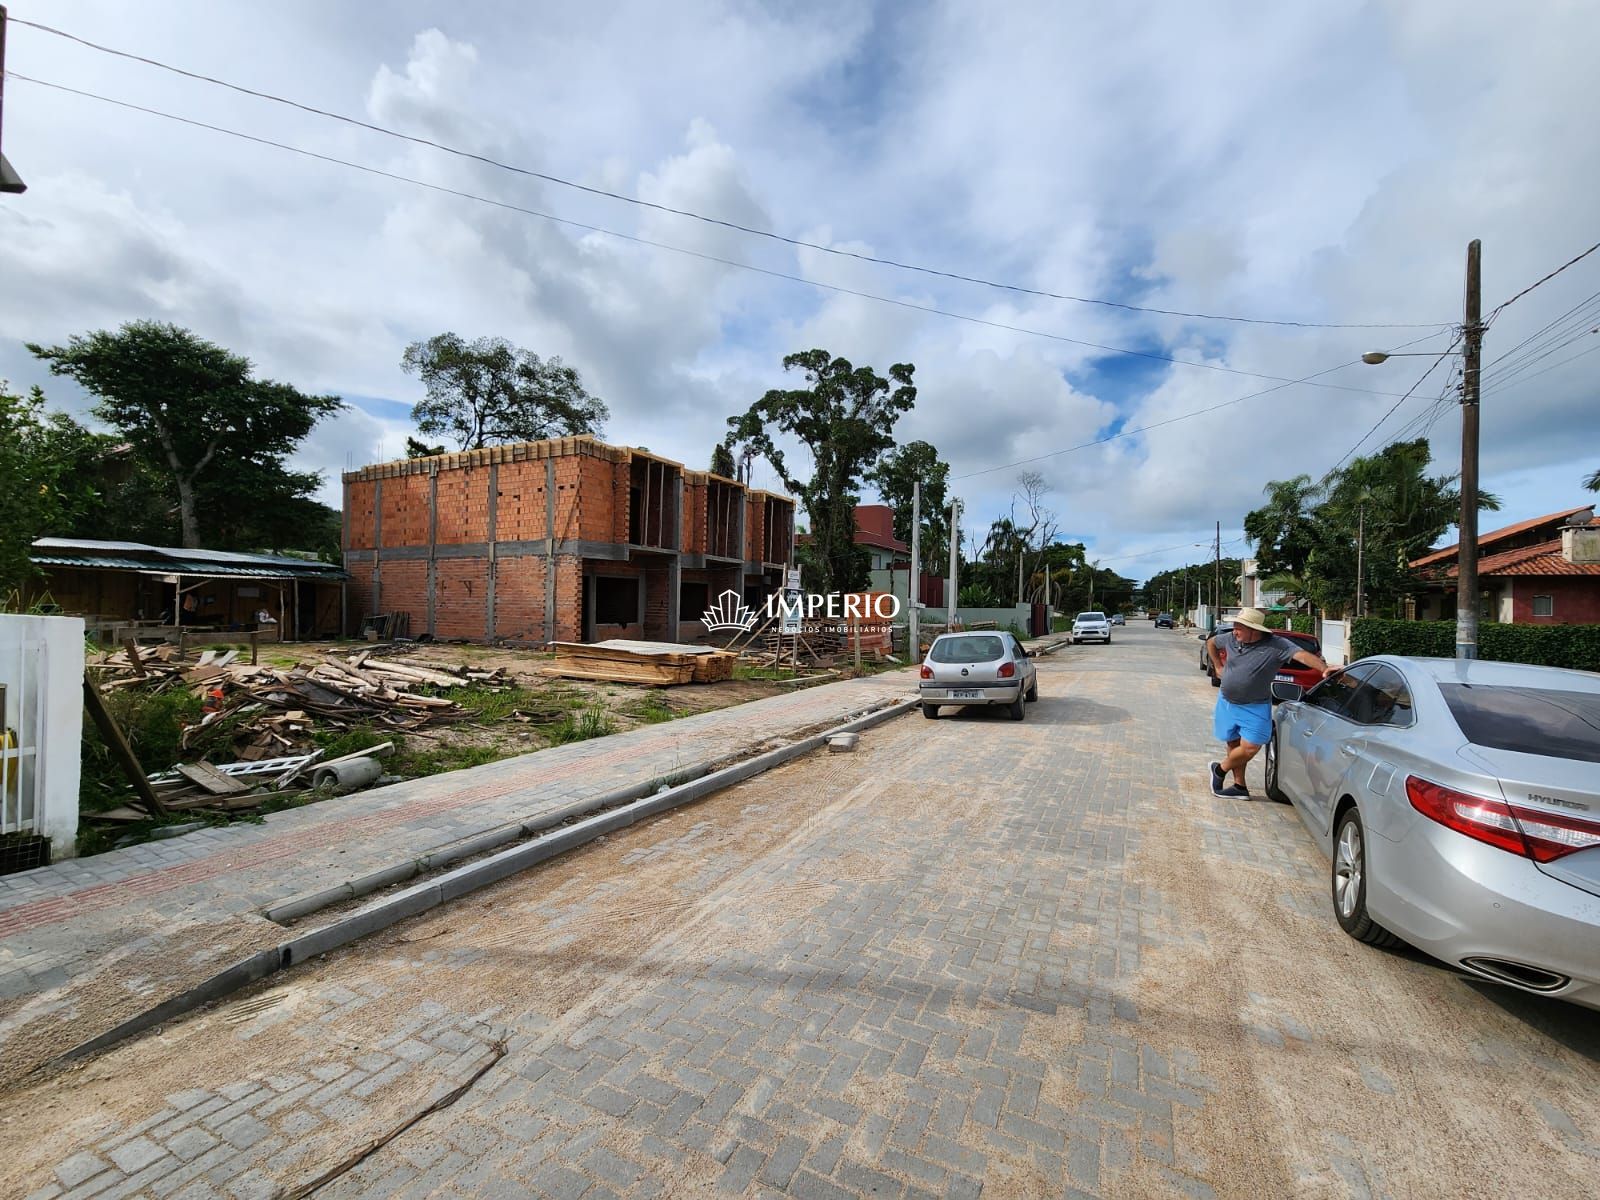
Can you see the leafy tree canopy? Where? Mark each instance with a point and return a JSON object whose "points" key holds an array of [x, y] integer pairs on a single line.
{"points": [[722, 462], [30, 500], [194, 412], [894, 476], [486, 392], [845, 416]]}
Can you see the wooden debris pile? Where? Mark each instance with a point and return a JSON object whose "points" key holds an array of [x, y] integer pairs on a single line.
{"points": [[259, 723]]}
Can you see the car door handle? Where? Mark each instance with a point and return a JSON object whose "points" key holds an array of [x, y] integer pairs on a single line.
{"points": [[1348, 751]]}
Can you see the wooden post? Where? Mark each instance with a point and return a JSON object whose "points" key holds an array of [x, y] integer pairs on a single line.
{"points": [[120, 750]]}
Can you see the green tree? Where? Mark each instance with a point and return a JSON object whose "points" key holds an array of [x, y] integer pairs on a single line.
{"points": [[894, 475], [486, 392], [1593, 482], [194, 411], [415, 448], [30, 499], [845, 416], [1284, 529], [722, 462]]}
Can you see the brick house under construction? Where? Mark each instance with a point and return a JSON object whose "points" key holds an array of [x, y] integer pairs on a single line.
{"points": [[562, 540]]}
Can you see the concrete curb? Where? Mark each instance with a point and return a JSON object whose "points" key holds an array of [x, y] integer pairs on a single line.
{"points": [[463, 880]]}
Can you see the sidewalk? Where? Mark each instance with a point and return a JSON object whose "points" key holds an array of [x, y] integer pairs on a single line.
{"points": [[85, 944]]}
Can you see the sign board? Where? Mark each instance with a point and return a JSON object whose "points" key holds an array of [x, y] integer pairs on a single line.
{"points": [[793, 606], [793, 580]]}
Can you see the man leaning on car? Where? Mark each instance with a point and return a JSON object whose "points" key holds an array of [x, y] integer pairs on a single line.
{"points": [[1243, 716]]}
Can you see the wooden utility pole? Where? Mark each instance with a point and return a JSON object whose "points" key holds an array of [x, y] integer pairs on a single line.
{"points": [[914, 588], [1216, 589], [1361, 541], [955, 551], [1467, 554], [9, 181]]}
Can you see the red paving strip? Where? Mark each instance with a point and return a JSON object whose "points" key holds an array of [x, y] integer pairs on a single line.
{"points": [[35, 914]]}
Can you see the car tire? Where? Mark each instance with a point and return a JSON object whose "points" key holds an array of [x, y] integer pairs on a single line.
{"points": [[1018, 709], [931, 711], [1274, 789], [1216, 680], [1033, 689], [1348, 882]]}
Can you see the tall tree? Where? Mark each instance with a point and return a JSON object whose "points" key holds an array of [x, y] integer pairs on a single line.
{"points": [[485, 392], [30, 499], [1593, 482], [189, 407], [845, 416], [722, 462], [896, 472]]}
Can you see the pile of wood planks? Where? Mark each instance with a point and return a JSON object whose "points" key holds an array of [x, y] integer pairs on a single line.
{"points": [[656, 664]]}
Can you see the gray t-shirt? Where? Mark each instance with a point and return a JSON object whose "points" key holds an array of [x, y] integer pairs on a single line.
{"points": [[1247, 674]]}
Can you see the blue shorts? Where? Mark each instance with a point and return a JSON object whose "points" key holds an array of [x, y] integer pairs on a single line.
{"points": [[1249, 722]]}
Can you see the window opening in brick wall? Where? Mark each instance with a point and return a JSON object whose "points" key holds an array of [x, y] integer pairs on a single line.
{"points": [[693, 599], [1544, 606], [616, 601]]}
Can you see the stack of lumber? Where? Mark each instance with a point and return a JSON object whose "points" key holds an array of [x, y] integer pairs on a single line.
{"points": [[657, 664]]}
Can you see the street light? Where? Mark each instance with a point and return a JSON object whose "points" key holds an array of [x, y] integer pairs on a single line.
{"points": [[1467, 549]]}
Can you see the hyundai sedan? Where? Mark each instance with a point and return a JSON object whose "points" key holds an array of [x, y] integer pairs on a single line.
{"points": [[1459, 803], [989, 669]]}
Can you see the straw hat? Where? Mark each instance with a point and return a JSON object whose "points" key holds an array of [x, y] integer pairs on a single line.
{"points": [[1252, 618]]}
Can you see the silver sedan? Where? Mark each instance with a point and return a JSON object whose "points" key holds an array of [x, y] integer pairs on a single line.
{"points": [[977, 668], [1459, 803]]}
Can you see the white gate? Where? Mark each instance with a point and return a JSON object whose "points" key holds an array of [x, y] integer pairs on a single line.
{"points": [[1335, 642], [41, 724]]}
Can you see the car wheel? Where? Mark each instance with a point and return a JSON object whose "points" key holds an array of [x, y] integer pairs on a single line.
{"points": [[1274, 790], [1033, 689], [1018, 709], [1349, 882], [1216, 680], [931, 711]]}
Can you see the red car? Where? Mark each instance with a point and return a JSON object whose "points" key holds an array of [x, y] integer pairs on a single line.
{"points": [[1306, 677]]}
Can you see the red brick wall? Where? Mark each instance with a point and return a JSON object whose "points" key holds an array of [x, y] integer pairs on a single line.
{"points": [[460, 598], [358, 508], [463, 506], [405, 589], [520, 513], [519, 599], [754, 528], [1575, 600], [405, 511]]}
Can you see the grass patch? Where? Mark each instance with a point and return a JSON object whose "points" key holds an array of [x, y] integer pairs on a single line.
{"points": [[336, 743], [652, 708], [415, 764], [592, 722]]}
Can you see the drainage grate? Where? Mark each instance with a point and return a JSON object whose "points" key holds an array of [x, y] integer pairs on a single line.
{"points": [[23, 852]]}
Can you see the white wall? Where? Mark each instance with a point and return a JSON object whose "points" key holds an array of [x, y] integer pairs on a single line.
{"points": [[41, 666]]}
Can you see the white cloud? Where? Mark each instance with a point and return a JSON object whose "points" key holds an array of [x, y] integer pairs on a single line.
{"points": [[1324, 165]]}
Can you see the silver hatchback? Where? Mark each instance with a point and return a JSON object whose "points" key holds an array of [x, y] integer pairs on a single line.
{"points": [[977, 668], [1459, 803]]}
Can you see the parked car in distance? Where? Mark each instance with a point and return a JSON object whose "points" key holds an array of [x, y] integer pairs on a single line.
{"points": [[1091, 627], [1118, 619], [1205, 651], [980, 669], [1163, 620], [1306, 677], [1459, 804]]}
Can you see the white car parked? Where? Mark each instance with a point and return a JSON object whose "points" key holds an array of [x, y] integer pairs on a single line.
{"points": [[1091, 627]]}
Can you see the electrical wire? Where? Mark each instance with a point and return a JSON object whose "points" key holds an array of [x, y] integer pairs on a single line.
{"points": [[754, 231], [1499, 308], [1432, 367], [728, 262]]}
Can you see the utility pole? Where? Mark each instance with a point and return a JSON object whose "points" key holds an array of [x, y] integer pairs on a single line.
{"points": [[1467, 554], [1216, 580], [9, 180], [955, 555], [914, 588]]}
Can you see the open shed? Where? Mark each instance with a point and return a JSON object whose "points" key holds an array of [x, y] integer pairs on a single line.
{"points": [[128, 589]]}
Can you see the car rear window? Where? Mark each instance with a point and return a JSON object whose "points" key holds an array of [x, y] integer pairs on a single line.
{"points": [[1543, 721], [975, 647], [1305, 642]]}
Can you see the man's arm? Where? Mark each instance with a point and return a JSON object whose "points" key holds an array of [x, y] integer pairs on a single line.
{"points": [[1314, 661], [1211, 653]]}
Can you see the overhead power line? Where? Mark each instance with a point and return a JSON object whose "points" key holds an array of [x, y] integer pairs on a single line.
{"points": [[799, 243], [1434, 366], [1541, 282], [728, 262]]}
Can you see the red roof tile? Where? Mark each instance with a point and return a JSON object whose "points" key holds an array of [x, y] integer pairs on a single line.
{"points": [[1543, 559], [1485, 539]]}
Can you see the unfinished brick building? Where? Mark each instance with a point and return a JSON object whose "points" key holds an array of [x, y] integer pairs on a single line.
{"points": [[563, 540]]}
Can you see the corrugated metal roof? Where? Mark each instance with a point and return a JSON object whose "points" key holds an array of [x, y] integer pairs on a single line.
{"points": [[175, 560]]}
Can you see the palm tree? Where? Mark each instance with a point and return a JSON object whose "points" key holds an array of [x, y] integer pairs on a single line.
{"points": [[1593, 482]]}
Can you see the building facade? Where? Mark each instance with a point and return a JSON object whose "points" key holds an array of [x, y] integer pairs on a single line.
{"points": [[1545, 571], [568, 539]]}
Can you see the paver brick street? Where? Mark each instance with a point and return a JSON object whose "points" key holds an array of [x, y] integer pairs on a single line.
{"points": [[974, 957]]}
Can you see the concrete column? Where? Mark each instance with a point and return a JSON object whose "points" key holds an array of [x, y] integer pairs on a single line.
{"points": [[433, 539], [550, 553], [494, 505], [377, 547]]}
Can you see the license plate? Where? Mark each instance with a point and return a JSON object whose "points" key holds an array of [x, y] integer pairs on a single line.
{"points": [[965, 694]]}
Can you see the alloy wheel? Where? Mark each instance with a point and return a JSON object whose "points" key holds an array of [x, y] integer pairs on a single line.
{"points": [[1347, 868]]}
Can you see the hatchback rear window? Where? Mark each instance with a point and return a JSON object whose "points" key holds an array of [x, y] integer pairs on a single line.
{"points": [[971, 648], [1306, 643], [1528, 720]]}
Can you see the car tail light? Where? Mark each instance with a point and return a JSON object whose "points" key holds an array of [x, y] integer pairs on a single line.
{"points": [[1007, 670], [927, 671], [1530, 832]]}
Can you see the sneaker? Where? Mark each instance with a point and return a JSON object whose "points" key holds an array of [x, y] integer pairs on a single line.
{"points": [[1234, 792], [1218, 779]]}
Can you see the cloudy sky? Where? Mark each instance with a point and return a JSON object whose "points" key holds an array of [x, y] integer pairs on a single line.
{"points": [[1318, 164]]}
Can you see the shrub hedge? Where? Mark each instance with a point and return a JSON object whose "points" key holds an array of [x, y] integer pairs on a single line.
{"points": [[1575, 646], [1292, 622]]}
